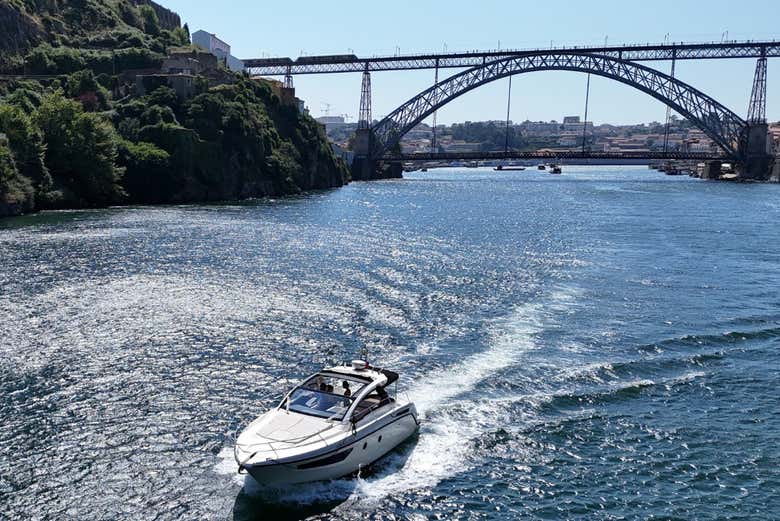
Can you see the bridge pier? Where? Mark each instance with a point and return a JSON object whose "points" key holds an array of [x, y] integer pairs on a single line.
{"points": [[362, 165], [775, 177], [757, 153], [366, 168], [712, 170]]}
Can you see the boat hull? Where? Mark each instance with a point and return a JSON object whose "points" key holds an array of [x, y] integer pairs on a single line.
{"points": [[357, 452]]}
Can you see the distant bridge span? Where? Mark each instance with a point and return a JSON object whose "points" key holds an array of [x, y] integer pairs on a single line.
{"points": [[722, 125]]}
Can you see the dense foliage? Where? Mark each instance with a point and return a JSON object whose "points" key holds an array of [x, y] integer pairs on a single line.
{"points": [[490, 135], [66, 143]]}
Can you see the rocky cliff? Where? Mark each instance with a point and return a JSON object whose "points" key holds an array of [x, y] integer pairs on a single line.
{"points": [[19, 30]]}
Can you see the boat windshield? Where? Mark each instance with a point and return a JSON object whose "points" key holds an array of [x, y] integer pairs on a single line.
{"points": [[325, 395]]}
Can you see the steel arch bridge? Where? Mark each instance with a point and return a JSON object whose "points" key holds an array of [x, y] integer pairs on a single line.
{"points": [[723, 126]]}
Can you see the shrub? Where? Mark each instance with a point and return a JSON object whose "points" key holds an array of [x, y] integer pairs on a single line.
{"points": [[148, 175], [16, 191], [151, 22], [26, 142]]}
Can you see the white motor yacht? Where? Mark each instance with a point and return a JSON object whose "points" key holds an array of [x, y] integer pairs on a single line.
{"points": [[335, 423]]}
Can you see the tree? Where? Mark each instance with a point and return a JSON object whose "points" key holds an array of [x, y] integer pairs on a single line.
{"points": [[81, 150], [148, 177], [151, 22], [26, 142], [165, 97], [83, 86], [16, 191]]}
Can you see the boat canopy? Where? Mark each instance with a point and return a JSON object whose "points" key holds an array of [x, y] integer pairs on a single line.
{"points": [[392, 376]]}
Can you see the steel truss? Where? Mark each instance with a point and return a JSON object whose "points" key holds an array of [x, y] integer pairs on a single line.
{"points": [[757, 108], [722, 125], [351, 63]]}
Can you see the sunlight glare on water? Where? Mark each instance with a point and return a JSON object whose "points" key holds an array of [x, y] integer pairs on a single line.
{"points": [[597, 345]]}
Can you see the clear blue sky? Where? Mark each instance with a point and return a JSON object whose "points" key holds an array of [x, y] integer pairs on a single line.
{"points": [[257, 29]]}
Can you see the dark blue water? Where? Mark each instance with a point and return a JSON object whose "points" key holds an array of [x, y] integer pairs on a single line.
{"points": [[598, 345]]}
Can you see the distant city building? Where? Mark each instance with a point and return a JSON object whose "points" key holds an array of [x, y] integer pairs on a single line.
{"points": [[573, 124], [774, 135], [331, 121], [539, 127], [462, 147], [570, 139], [218, 48]]}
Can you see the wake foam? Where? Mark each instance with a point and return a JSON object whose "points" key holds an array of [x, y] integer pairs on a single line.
{"points": [[450, 425], [445, 442]]}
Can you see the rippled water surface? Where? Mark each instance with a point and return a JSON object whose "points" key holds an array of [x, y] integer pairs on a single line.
{"points": [[601, 345]]}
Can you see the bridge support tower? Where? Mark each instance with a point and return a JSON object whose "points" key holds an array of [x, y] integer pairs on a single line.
{"points": [[756, 148], [363, 166], [757, 157]]}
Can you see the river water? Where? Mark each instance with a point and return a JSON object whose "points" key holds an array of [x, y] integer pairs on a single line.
{"points": [[601, 345]]}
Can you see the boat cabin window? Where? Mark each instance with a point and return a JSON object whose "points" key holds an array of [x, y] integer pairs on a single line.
{"points": [[325, 395]]}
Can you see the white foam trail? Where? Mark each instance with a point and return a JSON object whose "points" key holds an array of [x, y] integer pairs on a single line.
{"points": [[445, 439], [227, 466], [508, 341]]}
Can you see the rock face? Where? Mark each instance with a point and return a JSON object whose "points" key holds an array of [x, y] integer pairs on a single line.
{"points": [[21, 29], [18, 30]]}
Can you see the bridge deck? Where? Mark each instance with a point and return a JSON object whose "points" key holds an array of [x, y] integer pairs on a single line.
{"points": [[352, 63], [557, 156]]}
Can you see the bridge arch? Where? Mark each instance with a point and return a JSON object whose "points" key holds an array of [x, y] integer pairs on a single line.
{"points": [[720, 124]]}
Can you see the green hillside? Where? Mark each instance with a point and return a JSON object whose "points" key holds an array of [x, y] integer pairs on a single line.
{"points": [[74, 131]]}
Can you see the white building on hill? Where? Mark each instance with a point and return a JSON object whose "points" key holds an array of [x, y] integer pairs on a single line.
{"points": [[218, 48]]}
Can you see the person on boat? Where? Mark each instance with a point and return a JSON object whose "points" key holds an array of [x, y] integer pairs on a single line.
{"points": [[347, 393]]}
